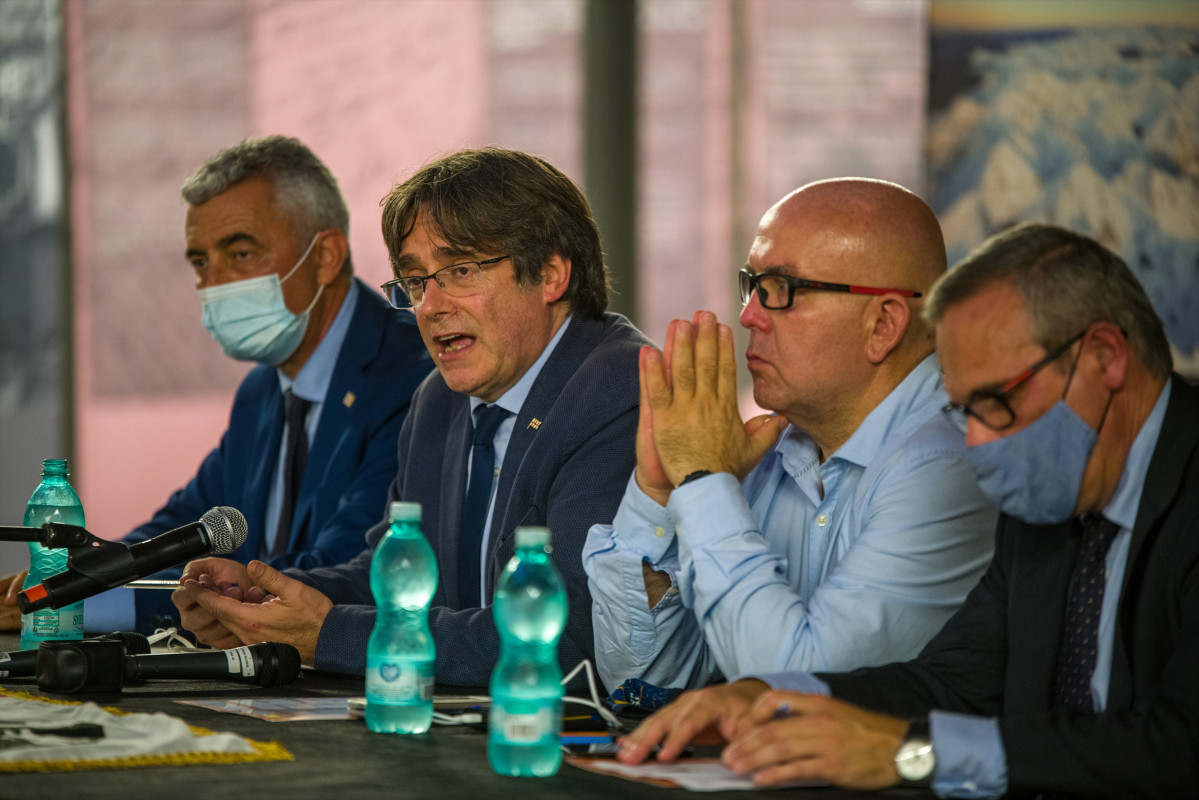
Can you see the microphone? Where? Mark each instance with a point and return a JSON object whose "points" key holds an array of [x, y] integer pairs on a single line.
{"points": [[23, 663], [262, 664], [106, 565]]}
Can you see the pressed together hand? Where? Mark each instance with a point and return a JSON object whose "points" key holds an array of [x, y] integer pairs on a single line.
{"points": [[689, 419]]}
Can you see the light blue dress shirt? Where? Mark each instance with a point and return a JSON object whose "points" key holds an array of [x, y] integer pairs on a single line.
{"points": [[853, 562], [510, 401], [311, 384], [971, 761]]}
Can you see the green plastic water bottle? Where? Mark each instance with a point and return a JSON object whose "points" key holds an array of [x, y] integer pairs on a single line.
{"points": [[524, 727], [54, 500], [400, 651]]}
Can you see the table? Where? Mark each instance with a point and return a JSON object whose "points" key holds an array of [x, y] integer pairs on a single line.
{"points": [[334, 759]]}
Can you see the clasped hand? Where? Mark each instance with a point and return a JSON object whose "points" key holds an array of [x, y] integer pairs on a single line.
{"points": [[689, 418]]}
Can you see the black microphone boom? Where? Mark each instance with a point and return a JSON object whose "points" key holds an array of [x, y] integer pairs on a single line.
{"points": [[262, 664], [106, 565]]}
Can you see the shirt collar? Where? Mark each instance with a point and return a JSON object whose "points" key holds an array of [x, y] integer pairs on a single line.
{"points": [[897, 411], [1122, 508], [314, 377], [514, 398]]}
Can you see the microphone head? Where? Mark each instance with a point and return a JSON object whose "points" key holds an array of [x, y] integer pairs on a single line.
{"points": [[226, 528], [280, 663]]}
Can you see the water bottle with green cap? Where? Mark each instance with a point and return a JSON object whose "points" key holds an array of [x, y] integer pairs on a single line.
{"points": [[400, 653], [525, 722]]}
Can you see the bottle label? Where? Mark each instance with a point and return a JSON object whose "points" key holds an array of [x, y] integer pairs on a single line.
{"points": [[523, 728], [399, 682]]}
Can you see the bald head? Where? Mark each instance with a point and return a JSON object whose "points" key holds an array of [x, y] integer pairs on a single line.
{"points": [[830, 357], [876, 233]]}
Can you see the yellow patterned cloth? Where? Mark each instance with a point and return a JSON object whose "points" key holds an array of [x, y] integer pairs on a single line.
{"points": [[41, 735]]}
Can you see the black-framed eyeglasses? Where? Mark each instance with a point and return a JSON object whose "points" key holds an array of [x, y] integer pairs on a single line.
{"points": [[992, 408], [776, 291], [456, 280]]}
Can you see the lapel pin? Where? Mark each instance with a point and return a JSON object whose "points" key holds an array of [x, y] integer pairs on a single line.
{"points": [[349, 399], [534, 424]]}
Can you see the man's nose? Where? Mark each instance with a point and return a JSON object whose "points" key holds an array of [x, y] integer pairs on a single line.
{"points": [[753, 315], [434, 300]]}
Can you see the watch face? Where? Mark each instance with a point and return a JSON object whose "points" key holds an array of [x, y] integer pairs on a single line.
{"points": [[915, 760]]}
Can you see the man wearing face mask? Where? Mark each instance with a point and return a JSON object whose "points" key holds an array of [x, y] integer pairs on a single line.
{"points": [[310, 448], [1070, 670]]}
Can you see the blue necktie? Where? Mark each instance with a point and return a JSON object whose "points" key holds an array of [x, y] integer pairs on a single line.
{"points": [[474, 507], [295, 460], [1080, 632]]}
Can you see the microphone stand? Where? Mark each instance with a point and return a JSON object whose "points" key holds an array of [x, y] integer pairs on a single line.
{"points": [[105, 563]]}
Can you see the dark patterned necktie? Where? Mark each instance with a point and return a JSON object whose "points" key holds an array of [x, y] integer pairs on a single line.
{"points": [[474, 506], [1080, 636], [295, 460]]}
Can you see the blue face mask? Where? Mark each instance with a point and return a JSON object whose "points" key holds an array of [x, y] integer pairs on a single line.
{"points": [[250, 320], [1036, 474]]}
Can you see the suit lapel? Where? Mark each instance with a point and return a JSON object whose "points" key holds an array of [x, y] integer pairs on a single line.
{"points": [[460, 433], [1039, 592], [1162, 484], [358, 350], [576, 344], [267, 437]]}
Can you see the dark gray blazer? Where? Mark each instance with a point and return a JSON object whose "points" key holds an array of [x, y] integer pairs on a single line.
{"points": [[567, 472], [996, 656]]}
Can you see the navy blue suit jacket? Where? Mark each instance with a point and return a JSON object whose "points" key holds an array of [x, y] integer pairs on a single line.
{"points": [[566, 467], [996, 657], [350, 464]]}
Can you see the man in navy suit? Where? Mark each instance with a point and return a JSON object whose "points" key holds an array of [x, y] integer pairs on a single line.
{"points": [[1070, 669], [266, 233], [498, 253]]}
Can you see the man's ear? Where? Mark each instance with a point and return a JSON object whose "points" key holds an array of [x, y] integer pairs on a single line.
{"points": [[330, 252], [887, 319], [555, 278], [1109, 350]]}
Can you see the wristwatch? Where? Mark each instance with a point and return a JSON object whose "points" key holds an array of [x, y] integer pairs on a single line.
{"points": [[915, 760]]}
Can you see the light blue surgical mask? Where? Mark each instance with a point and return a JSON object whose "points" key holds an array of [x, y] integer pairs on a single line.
{"points": [[1036, 474], [250, 320]]}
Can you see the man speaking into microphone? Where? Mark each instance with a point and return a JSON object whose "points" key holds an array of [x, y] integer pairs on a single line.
{"points": [[310, 447]]}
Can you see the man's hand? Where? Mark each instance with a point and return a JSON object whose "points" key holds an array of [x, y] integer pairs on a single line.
{"points": [[649, 475], [10, 612], [218, 576], [706, 716], [692, 397], [788, 736], [291, 612]]}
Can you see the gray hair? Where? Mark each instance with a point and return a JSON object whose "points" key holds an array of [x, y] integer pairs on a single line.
{"points": [[304, 188], [1067, 282]]}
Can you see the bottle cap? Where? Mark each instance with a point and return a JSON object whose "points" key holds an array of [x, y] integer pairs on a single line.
{"points": [[404, 512], [54, 466], [532, 536]]}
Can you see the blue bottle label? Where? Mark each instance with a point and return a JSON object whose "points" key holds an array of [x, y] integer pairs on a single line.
{"points": [[399, 682]]}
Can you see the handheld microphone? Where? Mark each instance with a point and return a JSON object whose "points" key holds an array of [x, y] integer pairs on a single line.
{"points": [[23, 663], [107, 565], [262, 664]]}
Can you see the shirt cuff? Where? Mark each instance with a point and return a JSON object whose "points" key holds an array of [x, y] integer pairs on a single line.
{"points": [[642, 525], [709, 508], [802, 682], [971, 761]]}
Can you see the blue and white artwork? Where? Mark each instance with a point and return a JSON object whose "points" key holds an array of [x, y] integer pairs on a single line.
{"points": [[1092, 128]]}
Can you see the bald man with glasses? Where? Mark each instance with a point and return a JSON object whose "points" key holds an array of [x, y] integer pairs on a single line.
{"points": [[839, 532]]}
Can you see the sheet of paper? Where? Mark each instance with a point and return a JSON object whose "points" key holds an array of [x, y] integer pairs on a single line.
{"points": [[278, 709], [693, 774]]}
